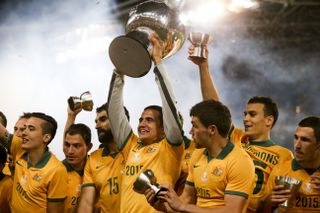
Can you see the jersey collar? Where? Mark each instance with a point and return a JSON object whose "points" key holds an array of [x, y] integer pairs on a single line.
{"points": [[106, 152], [42, 162], [296, 166], [224, 152], [70, 168], [266, 143]]}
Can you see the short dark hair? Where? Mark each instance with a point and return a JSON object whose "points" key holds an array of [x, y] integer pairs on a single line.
{"points": [[3, 119], [157, 109], [80, 129], [49, 126], [104, 107], [211, 112], [3, 155], [314, 123], [25, 115], [270, 107]]}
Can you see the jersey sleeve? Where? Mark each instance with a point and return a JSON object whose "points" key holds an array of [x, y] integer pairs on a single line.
{"points": [[241, 176], [171, 121], [119, 123], [56, 190], [87, 176]]}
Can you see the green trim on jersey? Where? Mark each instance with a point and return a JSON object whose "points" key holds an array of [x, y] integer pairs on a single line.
{"points": [[266, 143], [106, 152], [236, 193], [224, 152], [296, 166], [88, 184], [70, 168], [186, 141], [126, 141], [42, 162], [56, 199], [189, 183]]}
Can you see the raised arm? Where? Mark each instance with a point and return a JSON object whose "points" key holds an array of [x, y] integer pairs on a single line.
{"points": [[171, 121], [208, 88], [71, 118], [119, 123]]}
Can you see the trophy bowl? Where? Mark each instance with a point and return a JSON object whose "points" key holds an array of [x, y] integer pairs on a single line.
{"points": [[289, 183], [131, 53], [199, 40], [147, 180]]}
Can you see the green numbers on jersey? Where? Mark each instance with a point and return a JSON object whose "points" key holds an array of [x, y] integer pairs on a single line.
{"points": [[258, 165], [114, 185], [132, 170], [259, 183], [75, 200]]}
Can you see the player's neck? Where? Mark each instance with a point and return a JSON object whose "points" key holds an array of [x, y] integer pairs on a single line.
{"points": [[260, 137], [34, 156], [216, 146], [112, 146]]}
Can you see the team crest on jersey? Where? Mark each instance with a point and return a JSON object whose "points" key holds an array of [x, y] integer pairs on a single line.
{"points": [[23, 179], [136, 157], [37, 177], [150, 149], [217, 171], [188, 155], [204, 177]]}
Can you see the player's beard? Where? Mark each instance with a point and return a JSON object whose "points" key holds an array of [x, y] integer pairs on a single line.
{"points": [[106, 137]]}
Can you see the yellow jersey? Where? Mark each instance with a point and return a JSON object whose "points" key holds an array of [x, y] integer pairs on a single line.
{"points": [[231, 172], [265, 155], [308, 199], [74, 188], [163, 158], [34, 187], [6, 185], [104, 172]]}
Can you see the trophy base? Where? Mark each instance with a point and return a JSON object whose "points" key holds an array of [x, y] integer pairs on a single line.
{"points": [[130, 56]]}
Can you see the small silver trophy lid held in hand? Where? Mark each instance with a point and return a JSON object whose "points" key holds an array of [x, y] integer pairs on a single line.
{"points": [[199, 40], [289, 183], [85, 102]]}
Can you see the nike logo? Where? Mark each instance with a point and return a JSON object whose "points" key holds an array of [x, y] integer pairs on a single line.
{"points": [[97, 167]]}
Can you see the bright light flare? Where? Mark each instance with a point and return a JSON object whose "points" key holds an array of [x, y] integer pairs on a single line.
{"points": [[203, 12], [239, 5]]}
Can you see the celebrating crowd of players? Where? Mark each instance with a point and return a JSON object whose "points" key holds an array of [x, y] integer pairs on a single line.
{"points": [[221, 169]]}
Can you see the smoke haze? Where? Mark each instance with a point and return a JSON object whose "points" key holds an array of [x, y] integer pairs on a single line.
{"points": [[50, 50]]}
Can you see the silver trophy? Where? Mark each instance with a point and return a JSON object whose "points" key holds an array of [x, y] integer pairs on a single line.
{"points": [[147, 180], [289, 183], [199, 40], [84, 101], [130, 53]]}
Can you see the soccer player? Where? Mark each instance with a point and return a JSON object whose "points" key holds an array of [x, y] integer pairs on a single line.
{"points": [[260, 115], [220, 174], [304, 167], [76, 145], [103, 170], [158, 147], [5, 183], [39, 176], [20, 124]]}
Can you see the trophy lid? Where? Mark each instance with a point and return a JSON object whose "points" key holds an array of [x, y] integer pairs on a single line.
{"points": [[130, 56]]}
